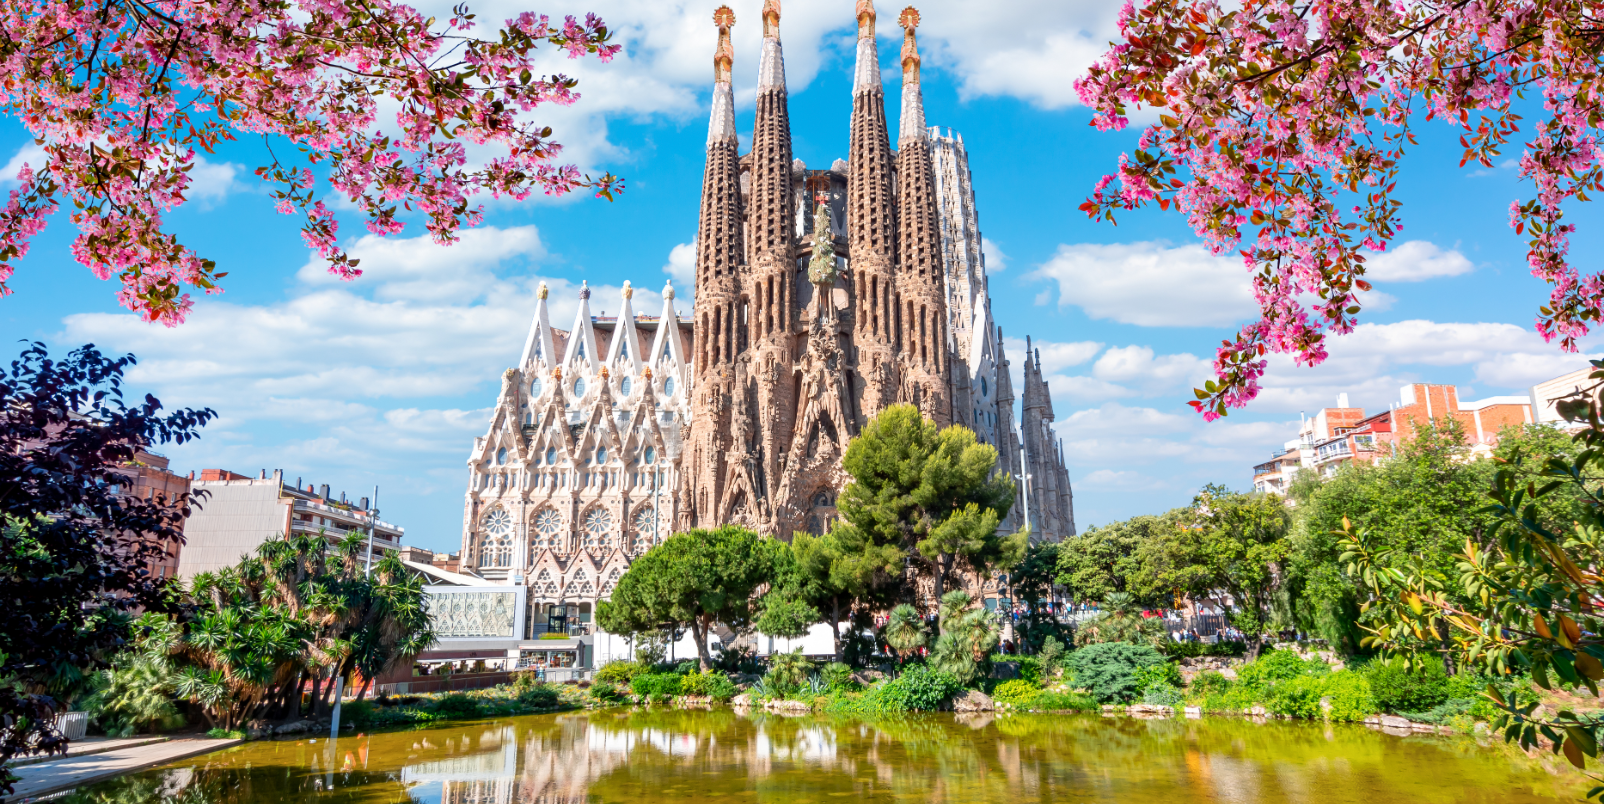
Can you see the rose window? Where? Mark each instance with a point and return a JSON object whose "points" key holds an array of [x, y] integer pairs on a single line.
{"points": [[498, 545], [645, 528], [598, 524], [548, 529]]}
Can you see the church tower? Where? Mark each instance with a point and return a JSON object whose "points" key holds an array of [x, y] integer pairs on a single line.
{"points": [[772, 242], [920, 276], [720, 330], [872, 228]]}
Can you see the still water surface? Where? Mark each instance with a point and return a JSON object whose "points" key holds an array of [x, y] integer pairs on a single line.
{"points": [[721, 756]]}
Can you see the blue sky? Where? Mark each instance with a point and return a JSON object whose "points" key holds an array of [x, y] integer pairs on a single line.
{"points": [[386, 380]]}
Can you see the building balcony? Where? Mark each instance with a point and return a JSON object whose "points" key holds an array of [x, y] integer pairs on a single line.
{"points": [[1333, 451], [380, 538]]}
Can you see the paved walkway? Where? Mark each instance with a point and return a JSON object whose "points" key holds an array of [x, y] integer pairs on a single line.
{"points": [[90, 745], [75, 771]]}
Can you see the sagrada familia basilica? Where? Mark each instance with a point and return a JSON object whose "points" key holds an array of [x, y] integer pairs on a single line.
{"points": [[822, 297]]}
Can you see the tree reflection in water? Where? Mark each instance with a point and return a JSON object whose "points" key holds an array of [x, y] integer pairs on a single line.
{"points": [[669, 755]]}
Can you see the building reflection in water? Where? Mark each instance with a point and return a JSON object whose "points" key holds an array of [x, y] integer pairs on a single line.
{"points": [[520, 764], [668, 756]]}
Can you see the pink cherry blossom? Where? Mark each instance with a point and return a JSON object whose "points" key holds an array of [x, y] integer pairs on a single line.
{"points": [[124, 94], [1283, 124]]}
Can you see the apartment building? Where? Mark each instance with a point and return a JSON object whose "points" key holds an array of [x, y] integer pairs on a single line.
{"points": [[149, 479], [240, 512], [1335, 437]]}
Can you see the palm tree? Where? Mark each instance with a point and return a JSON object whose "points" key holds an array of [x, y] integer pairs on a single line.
{"points": [[968, 636], [904, 631], [1121, 621], [295, 612]]}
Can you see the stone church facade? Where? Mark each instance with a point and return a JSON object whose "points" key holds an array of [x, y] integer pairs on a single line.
{"points": [[822, 297]]}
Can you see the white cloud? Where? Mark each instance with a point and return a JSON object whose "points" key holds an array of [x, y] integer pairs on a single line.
{"points": [[29, 154], [413, 269], [1375, 360], [663, 70], [996, 260], [1112, 480], [1414, 261], [681, 268], [1054, 356], [1151, 284], [1139, 366], [426, 322], [211, 182]]}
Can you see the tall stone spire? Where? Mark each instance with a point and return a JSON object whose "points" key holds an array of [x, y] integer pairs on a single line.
{"points": [[720, 260], [920, 278], [872, 228], [912, 126], [770, 296]]}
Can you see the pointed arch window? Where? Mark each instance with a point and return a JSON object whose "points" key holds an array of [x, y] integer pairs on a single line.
{"points": [[623, 386], [579, 386], [501, 456], [551, 456], [535, 388], [668, 386]]}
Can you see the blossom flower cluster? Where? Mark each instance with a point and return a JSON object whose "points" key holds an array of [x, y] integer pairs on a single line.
{"points": [[1282, 126], [122, 95]]}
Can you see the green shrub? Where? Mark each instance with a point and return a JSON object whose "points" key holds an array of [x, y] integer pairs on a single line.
{"points": [[656, 686], [1063, 702], [1017, 692], [555, 635], [1108, 669], [1051, 655], [919, 689], [1030, 668], [1351, 700], [720, 687], [1193, 650], [1442, 714], [1296, 697], [357, 713], [788, 671], [538, 696], [1397, 689], [710, 683], [455, 705], [226, 734], [694, 684], [1276, 665], [605, 692], [1210, 682], [837, 676], [1162, 693], [1167, 674], [621, 672]]}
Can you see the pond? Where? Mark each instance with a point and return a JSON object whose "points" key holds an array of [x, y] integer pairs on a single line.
{"points": [[659, 755]]}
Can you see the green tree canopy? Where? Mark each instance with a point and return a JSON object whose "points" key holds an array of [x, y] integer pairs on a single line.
{"points": [[694, 580], [1230, 542], [1425, 501], [927, 493], [1104, 560]]}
